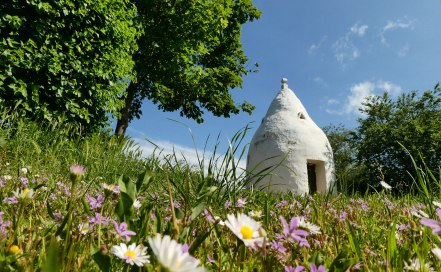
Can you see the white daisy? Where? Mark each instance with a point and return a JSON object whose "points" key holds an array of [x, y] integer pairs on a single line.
{"points": [[23, 194], [137, 204], [255, 214], [84, 228], [134, 254], [437, 204], [310, 227], [246, 229], [385, 185], [7, 177], [171, 255], [437, 252], [415, 265], [111, 188], [24, 170]]}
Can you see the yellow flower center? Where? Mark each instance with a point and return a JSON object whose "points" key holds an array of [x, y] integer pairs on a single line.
{"points": [[14, 249], [247, 232], [130, 254], [25, 192]]}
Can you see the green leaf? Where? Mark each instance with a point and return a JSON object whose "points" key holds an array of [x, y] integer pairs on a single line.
{"points": [[196, 211], [124, 207], [103, 261], [144, 180], [52, 263]]}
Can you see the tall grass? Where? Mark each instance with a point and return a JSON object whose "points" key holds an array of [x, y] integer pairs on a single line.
{"points": [[55, 229]]}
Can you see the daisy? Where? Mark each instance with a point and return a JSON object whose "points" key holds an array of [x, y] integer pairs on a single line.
{"points": [[26, 193], [171, 255], [437, 252], [246, 229], [416, 265], [133, 254], [111, 188], [137, 204], [310, 227], [84, 228], [385, 185]]}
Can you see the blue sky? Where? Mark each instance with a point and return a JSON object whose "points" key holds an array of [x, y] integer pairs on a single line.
{"points": [[334, 53]]}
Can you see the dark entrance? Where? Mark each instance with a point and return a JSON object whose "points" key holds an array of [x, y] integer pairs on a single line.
{"points": [[312, 178]]}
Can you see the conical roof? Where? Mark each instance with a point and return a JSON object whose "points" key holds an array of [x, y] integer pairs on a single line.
{"points": [[288, 137]]}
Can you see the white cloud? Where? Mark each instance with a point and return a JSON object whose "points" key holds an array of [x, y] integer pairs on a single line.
{"points": [[333, 101], [389, 87], [359, 30], [320, 81], [402, 52], [359, 92], [345, 50], [315, 47], [166, 150], [394, 25]]}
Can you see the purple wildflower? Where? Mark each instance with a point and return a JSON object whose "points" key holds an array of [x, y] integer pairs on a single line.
{"points": [[282, 204], [2, 183], [210, 259], [11, 200], [314, 268], [64, 188], [241, 203], [291, 232], [98, 219], [208, 216], [342, 216], [294, 269], [278, 246], [24, 181], [122, 231], [433, 224], [3, 225], [176, 204], [58, 217], [95, 203], [228, 204]]}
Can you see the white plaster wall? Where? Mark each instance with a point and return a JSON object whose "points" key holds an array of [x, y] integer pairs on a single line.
{"points": [[285, 139]]}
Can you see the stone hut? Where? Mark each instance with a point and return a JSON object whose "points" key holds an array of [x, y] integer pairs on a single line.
{"points": [[295, 149]]}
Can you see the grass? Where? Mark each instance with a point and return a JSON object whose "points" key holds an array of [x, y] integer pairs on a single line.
{"points": [[53, 223]]}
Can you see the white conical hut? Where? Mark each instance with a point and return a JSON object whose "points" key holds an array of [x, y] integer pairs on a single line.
{"points": [[293, 146]]}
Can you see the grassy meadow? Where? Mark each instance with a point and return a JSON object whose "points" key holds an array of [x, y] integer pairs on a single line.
{"points": [[95, 204]]}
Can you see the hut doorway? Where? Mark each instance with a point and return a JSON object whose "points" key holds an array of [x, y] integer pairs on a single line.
{"points": [[312, 178], [316, 176]]}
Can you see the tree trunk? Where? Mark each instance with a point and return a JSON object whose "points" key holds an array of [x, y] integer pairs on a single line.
{"points": [[124, 120]]}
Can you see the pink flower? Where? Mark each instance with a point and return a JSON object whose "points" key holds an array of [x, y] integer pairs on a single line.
{"points": [[314, 268], [291, 232], [241, 203], [433, 224], [95, 203], [294, 269], [122, 231], [77, 169], [98, 219]]}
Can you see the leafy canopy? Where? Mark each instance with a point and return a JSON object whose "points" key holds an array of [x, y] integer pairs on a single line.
{"points": [[190, 56], [412, 120], [66, 60]]}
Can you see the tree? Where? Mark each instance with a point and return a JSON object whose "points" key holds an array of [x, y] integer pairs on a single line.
{"points": [[411, 121], [189, 57], [350, 175], [66, 60]]}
